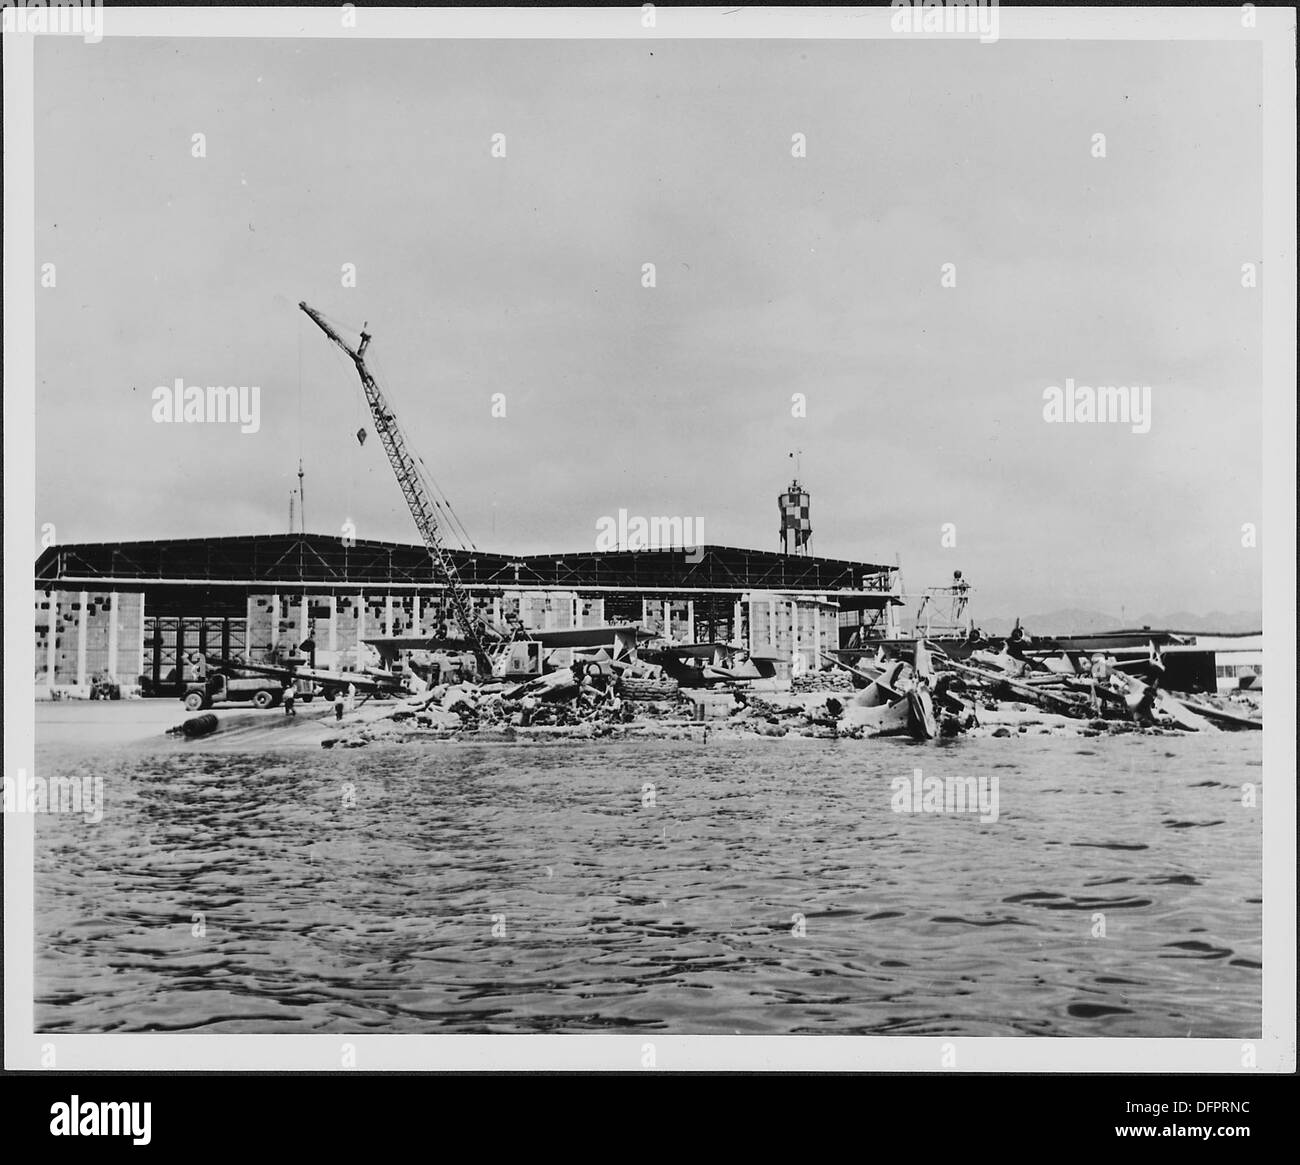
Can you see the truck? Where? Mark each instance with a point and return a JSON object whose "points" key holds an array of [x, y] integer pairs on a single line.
{"points": [[260, 691]]}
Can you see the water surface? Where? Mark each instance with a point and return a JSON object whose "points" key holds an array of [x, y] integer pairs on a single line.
{"points": [[765, 887]]}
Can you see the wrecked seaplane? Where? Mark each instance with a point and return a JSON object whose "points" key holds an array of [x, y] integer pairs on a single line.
{"points": [[521, 655], [897, 702]]}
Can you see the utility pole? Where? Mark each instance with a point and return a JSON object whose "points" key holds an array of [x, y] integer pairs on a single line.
{"points": [[302, 500]]}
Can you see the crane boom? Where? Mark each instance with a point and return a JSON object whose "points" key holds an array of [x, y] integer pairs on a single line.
{"points": [[417, 497]]}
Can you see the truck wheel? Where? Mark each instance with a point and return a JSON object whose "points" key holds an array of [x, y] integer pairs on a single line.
{"points": [[194, 701], [263, 699], [307, 699]]}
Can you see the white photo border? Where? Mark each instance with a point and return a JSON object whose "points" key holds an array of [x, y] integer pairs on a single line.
{"points": [[1274, 1052]]}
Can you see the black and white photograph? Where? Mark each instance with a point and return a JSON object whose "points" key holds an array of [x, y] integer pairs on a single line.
{"points": [[650, 523]]}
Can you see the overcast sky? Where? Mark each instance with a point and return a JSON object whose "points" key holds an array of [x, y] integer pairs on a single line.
{"points": [[775, 275]]}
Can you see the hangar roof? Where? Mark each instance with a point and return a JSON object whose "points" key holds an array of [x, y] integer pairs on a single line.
{"points": [[283, 560]]}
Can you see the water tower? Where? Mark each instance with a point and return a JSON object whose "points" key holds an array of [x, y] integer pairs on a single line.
{"points": [[796, 526]]}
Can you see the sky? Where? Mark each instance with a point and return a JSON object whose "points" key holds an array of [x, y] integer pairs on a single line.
{"points": [[774, 275]]}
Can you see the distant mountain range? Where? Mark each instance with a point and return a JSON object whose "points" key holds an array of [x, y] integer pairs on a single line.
{"points": [[1076, 622]]}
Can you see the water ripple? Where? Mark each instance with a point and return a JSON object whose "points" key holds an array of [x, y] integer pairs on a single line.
{"points": [[766, 887]]}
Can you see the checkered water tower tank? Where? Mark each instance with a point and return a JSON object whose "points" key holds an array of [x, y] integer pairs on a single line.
{"points": [[796, 526]]}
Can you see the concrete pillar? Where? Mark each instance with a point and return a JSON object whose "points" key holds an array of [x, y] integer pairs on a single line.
{"points": [[51, 657], [415, 613], [334, 623], [388, 614], [81, 639], [361, 624], [496, 610], [140, 651], [275, 621], [690, 620], [304, 621], [668, 621], [112, 636], [735, 623], [794, 632], [155, 660]]}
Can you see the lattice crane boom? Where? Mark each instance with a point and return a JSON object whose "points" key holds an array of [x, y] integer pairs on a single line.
{"points": [[413, 490]]}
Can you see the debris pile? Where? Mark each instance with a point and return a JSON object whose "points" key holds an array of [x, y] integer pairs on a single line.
{"points": [[1089, 694], [930, 695]]}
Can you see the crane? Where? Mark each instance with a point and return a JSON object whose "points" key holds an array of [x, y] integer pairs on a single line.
{"points": [[417, 496]]}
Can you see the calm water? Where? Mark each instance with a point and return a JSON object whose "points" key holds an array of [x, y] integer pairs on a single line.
{"points": [[324, 916]]}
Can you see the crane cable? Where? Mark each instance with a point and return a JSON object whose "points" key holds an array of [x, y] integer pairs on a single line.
{"points": [[348, 371], [300, 513], [437, 495]]}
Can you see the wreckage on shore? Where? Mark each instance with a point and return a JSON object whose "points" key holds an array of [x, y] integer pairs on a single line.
{"points": [[619, 689]]}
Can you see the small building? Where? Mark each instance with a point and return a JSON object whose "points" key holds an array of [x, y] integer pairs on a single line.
{"points": [[1231, 662]]}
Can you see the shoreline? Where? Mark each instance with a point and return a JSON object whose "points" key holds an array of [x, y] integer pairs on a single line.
{"points": [[136, 724]]}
